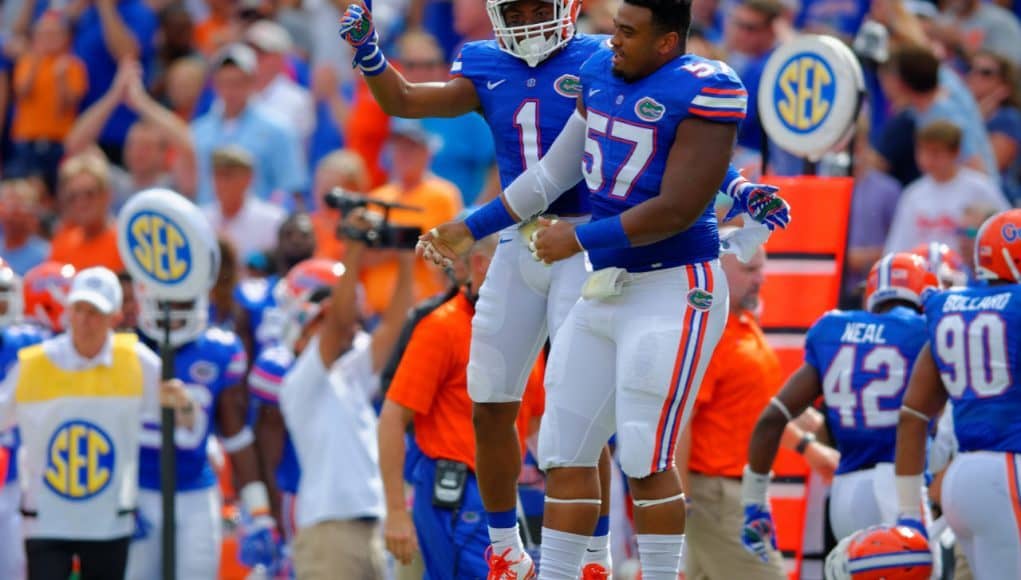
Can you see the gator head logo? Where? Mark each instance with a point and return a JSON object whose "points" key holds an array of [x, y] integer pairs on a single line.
{"points": [[568, 86], [648, 109], [699, 299]]}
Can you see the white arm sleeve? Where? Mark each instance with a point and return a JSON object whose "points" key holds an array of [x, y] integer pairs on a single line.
{"points": [[559, 170]]}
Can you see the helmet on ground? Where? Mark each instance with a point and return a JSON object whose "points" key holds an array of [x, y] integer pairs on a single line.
{"points": [[881, 553]]}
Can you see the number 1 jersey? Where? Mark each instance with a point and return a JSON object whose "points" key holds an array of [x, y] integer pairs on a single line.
{"points": [[864, 360]]}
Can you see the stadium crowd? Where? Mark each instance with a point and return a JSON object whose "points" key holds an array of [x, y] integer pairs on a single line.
{"points": [[251, 108]]}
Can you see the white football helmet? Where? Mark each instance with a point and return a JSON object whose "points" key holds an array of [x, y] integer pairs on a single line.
{"points": [[188, 318], [534, 43], [11, 294]]}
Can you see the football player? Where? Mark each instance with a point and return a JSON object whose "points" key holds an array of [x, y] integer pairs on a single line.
{"points": [[971, 359], [632, 352], [859, 362], [525, 83], [42, 292], [211, 362]]}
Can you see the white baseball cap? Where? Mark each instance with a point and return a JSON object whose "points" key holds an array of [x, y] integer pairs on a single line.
{"points": [[99, 287], [268, 36]]}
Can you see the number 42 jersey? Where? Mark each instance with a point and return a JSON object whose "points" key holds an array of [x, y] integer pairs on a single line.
{"points": [[864, 360], [975, 337]]}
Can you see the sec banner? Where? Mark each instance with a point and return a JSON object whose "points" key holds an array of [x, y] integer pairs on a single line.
{"points": [[811, 91], [168, 245]]}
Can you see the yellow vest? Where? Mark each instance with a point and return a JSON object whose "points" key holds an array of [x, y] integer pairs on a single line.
{"points": [[42, 380]]}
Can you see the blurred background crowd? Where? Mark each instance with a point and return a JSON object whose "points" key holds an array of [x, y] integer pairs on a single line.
{"points": [[252, 108]]}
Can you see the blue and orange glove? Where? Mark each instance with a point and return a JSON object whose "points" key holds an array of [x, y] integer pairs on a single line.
{"points": [[914, 523], [761, 202], [356, 29], [259, 544], [758, 534]]}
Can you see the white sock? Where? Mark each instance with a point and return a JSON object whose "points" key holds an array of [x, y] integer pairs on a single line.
{"points": [[503, 538], [598, 551], [561, 555], [660, 556]]}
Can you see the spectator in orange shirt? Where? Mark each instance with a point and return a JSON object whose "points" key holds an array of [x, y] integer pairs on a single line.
{"points": [[49, 82], [743, 374], [218, 29], [87, 236], [440, 201], [430, 390]]}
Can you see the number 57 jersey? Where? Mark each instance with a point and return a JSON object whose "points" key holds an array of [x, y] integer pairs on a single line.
{"points": [[975, 337], [864, 360]]}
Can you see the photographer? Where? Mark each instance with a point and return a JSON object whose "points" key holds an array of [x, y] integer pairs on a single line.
{"points": [[326, 400], [410, 150]]}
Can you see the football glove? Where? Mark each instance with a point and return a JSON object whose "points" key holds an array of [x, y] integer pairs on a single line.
{"points": [[259, 544], [357, 29], [914, 524], [143, 527], [761, 202], [758, 534]]}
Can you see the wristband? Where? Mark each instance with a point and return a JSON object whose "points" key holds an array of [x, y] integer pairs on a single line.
{"points": [[806, 439], [255, 499], [489, 219], [371, 64], [753, 487], [602, 234], [909, 495], [731, 181]]}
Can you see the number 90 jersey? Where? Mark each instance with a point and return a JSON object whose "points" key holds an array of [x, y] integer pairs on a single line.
{"points": [[526, 107], [864, 360], [631, 129], [213, 362], [975, 337]]}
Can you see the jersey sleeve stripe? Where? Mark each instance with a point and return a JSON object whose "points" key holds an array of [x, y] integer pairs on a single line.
{"points": [[263, 386], [720, 102], [715, 91], [716, 114]]}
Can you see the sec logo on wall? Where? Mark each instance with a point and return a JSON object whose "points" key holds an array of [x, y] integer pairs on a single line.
{"points": [[80, 460], [811, 90], [168, 245]]}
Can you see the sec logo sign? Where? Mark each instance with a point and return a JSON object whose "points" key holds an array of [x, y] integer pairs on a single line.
{"points": [[804, 92], [158, 247], [168, 245], [80, 460], [809, 96]]}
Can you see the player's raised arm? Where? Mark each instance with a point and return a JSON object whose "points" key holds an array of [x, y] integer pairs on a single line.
{"points": [[392, 91]]}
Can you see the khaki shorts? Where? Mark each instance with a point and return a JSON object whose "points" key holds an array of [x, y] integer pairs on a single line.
{"points": [[712, 534], [349, 549]]}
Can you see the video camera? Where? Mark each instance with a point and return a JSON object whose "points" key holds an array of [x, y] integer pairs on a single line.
{"points": [[381, 234]]}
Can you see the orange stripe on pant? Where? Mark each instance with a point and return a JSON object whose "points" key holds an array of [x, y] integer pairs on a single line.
{"points": [[1013, 489]]}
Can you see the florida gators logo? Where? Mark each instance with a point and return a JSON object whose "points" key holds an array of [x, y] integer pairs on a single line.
{"points": [[699, 299], [1010, 233], [648, 109], [568, 86]]}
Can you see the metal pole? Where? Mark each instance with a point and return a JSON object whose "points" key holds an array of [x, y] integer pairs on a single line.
{"points": [[168, 460]]}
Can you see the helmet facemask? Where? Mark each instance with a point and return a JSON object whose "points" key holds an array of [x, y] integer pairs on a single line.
{"points": [[534, 43], [188, 319], [11, 296]]}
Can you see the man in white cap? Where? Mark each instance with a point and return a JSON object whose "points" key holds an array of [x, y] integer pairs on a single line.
{"points": [[276, 92], [78, 400]]}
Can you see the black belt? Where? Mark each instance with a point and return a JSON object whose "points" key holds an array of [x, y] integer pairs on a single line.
{"points": [[34, 514]]}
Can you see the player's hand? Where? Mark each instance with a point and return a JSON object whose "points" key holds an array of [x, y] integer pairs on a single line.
{"points": [[259, 543], [758, 535], [822, 459], [399, 534], [761, 202], [143, 527], [445, 244], [357, 29], [913, 523], [554, 240]]}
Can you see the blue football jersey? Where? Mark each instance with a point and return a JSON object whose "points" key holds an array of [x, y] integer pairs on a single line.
{"points": [[255, 296], [975, 337], [527, 107], [864, 361], [13, 339], [213, 362], [264, 382], [631, 129]]}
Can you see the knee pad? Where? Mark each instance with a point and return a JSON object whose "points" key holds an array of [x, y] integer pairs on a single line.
{"points": [[568, 439], [636, 443]]}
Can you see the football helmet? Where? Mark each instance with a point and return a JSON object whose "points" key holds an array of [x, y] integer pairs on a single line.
{"points": [[899, 276], [45, 290], [293, 292], [944, 262], [534, 43], [10, 294], [881, 553], [188, 318], [998, 248]]}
